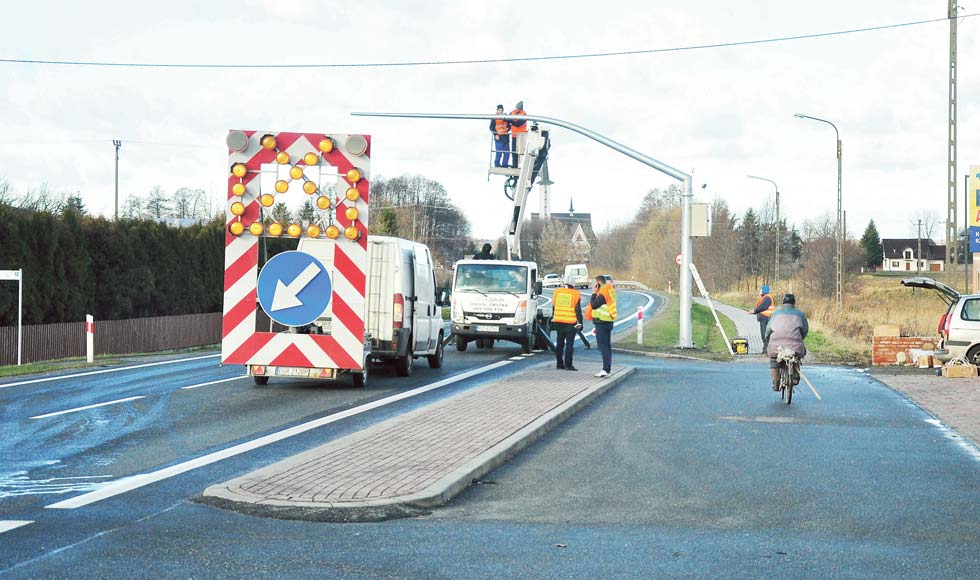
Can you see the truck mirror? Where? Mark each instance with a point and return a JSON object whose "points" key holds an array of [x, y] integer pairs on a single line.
{"points": [[538, 287], [444, 298]]}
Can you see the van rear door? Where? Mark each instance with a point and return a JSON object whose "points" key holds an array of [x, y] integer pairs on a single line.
{"points": [[424, 294]]}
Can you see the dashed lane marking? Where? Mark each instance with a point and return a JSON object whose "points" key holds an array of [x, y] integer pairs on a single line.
{"points": [[76, 409], [7, 525], [215, 382], [103, 371]]}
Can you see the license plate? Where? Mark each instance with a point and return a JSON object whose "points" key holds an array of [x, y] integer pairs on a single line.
{"points": [[487, 329], [292, 372]]}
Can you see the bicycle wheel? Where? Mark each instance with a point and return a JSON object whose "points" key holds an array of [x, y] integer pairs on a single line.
{"points": [[789, 383], [783, 380]]}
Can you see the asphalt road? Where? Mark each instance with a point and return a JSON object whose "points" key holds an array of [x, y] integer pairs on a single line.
{"points": [[686, 469]]}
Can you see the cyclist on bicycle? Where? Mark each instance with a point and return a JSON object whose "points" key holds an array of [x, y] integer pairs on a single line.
{"points": [[787, 327]]}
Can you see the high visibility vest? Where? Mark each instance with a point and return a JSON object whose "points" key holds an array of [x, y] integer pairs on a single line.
{"points": [[565, 300], [501, 127], [606, 312], [772, 305], [522, 128]]}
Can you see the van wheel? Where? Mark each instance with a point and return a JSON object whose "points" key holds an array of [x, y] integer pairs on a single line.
{"points": [[973, 355], [435, 360], [460, 344], [403, 365], [261, 381]]}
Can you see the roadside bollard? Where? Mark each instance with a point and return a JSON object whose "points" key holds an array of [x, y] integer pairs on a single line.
{"points": [[89, 338], [639, 325]]}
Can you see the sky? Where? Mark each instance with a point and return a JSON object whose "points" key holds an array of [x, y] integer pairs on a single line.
{"points": [[720, 113]]}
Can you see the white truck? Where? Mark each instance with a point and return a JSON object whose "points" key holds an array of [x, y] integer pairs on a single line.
{"points": [[578, 274], [497, 300]]}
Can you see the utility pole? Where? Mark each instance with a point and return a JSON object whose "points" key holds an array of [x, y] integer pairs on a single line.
{"points": [[918, 251], [951, 146], [117, 144]]}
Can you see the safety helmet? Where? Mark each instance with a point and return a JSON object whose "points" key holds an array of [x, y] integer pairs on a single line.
{"points": [[765, 288]]}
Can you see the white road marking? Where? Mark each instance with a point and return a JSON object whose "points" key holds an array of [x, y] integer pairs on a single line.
{"points": [[516, 358], [7, 525], [87, 407], [215, 382], [113, 370], [130, 483]]}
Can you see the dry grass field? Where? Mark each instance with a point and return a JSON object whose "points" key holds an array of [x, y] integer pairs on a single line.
{"points": [[869, 300]]}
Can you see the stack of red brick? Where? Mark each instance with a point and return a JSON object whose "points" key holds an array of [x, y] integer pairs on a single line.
{"points": [[888, 348]]}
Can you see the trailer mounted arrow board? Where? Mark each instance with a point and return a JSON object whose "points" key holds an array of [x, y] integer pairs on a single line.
{"points": [[294, 288]]}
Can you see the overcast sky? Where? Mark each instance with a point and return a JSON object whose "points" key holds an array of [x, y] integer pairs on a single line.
{"points": [[721, 113]]}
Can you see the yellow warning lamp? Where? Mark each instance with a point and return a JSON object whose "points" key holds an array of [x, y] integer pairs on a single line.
{"points": [[313, 231], [352, 194], [323, 202], [268, 142], [296, 172], [326, 145], [239, 170], [309, 187], [352, 213], [294, 230], [238, 208], [236, 228], [275, 229], [282, 186], [255, 229], [352, 233], [353, 175], [332, 232], [282, 158], [267, 200], [238, 188], [311, 158]]}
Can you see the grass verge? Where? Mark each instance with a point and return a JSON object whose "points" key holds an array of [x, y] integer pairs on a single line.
{"points": [[75, 363], [660, 333]]}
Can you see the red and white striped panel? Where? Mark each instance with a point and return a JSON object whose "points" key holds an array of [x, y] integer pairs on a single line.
{"points": [[344, 347]]}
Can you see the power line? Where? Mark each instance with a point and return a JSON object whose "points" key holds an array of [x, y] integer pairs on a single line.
{"points": [[111, 64]]}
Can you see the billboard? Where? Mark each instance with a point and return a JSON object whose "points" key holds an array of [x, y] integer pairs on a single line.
{"points": [[973, 199]]}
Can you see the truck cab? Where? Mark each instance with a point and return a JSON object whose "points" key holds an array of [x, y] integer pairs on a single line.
{"points": [[497, 300]]}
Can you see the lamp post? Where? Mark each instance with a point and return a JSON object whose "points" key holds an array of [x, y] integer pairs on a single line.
{"points": [[117, 144], [840, 213], [778, 240]]}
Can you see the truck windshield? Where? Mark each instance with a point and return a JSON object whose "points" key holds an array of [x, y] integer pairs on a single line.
{"points": [[491, 278]]}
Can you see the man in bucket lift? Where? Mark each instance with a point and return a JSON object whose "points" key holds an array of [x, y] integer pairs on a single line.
{"points": [[501, 139], [519, 131]]}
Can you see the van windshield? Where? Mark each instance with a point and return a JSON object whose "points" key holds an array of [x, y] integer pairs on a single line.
{"points": [[491, 278]]}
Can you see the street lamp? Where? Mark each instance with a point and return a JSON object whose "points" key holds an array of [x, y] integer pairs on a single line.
{"points": [[778, 240], [840, 213]]}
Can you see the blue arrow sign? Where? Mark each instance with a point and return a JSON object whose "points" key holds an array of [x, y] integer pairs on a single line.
{"points": [[294, 288]]}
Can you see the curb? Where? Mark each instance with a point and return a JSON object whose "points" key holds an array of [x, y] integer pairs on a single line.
{"points": [[224, 495]]}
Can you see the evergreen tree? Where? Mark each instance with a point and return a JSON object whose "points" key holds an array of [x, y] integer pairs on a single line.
{"points": [[871, 244], [75, 204]]}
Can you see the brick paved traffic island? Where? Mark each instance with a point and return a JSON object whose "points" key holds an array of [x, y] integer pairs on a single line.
{"points": [[413, 462]]}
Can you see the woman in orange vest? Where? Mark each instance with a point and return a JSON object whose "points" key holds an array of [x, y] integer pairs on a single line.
{"points": [[602, 313], [763, 310], [567, 321], [501, 142], [519, 131]]}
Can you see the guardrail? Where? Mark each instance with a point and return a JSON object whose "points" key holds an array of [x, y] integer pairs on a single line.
{"points": [[65, 340], [633, 284]]}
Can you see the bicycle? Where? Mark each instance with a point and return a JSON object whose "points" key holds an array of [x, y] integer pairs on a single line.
{"points": [[789, 373]]}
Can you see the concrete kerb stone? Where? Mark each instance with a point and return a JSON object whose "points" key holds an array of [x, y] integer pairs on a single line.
{"points": [[230, 495]]}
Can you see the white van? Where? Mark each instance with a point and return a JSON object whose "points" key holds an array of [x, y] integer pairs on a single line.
{"points": [[403, 320], [579, 274]]}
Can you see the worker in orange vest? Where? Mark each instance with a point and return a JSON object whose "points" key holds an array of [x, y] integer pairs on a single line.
{"points": [[518, 130], [501, 141], [763, 310], [567, 322]]}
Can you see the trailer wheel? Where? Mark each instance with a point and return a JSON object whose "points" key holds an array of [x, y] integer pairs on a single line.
{"points": [[435, 360], [260, 381], [460, 344]]}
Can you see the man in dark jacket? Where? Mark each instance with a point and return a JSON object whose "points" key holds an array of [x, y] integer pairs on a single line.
{"points": [[485, 253], [787, 328], [501, 139]]}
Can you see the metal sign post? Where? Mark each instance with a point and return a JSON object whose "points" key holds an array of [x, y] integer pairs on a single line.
{"points": [[17, 275], [704, 293]]}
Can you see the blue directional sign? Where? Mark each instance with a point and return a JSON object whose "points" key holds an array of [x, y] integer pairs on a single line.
{"points": [[974, 239], [294, 288]]}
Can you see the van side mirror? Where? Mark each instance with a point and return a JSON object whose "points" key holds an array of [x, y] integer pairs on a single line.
{"points": [[538, 287], [444, 298]]}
